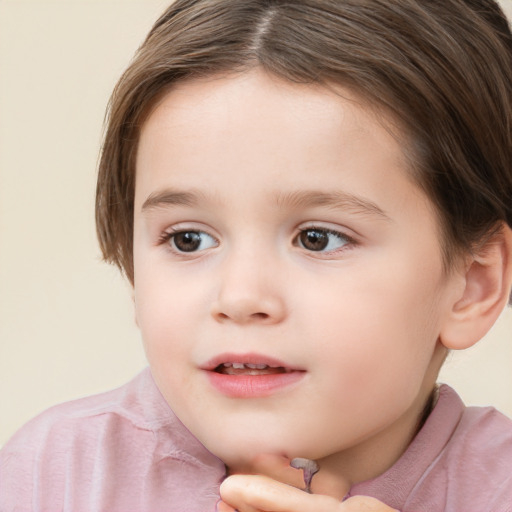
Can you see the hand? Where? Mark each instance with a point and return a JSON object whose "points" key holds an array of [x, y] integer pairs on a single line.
{"points": [[258, 493]]}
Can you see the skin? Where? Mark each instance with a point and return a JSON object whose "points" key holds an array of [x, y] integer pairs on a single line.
{"points": [[362, 319], [259, 493]]}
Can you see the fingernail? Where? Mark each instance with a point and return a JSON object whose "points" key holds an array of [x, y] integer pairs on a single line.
{"points": [[220, 506]]}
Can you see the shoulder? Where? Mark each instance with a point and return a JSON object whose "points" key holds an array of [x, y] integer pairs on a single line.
{"points": [[474, 469], [69, 430], [485, 428], [480, 457], [110, 446], [68, 419], [483, 440]]}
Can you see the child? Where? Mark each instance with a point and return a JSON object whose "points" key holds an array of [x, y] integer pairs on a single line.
{"points": [[312, 202]]}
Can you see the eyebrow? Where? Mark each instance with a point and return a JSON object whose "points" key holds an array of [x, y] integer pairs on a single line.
{"points": [[170, 197], [299, 199], [336, 200]]}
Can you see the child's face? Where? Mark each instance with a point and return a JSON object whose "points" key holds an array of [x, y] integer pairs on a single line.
{"points": [[302, 243]]}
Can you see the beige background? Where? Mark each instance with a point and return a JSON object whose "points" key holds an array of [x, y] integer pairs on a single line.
{"points": [[66, 325]]}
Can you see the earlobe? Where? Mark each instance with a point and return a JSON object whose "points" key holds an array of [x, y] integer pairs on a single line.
{"points": [[488, 278]]}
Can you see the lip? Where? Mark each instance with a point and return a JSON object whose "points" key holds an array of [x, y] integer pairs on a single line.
{"points": [[249, 358], [250, 386]]}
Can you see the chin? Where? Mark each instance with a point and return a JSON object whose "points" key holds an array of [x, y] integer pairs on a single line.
{"points": [[239, 451]]}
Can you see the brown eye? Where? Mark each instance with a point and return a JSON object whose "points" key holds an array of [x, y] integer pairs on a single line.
{"points": [[191, 241], [318, 240], [314, 240]]}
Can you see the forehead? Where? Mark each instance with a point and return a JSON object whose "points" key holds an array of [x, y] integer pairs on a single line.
{"points": [[255, 120]]}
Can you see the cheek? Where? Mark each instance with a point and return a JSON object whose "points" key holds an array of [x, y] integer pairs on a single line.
{"points": [[164, 333], [159, 312], [162, 296], [379, 327], [171, 309]]}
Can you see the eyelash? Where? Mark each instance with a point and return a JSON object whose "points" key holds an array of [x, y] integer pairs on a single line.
{"points": [[348, 242], [168, 237]]}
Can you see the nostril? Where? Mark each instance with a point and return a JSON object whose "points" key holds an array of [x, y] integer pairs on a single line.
{"points": [[236, 316], [242, 310], [260, 316]]}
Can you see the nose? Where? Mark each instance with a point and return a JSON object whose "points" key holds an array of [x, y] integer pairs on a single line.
{"points": [[250, 291]]}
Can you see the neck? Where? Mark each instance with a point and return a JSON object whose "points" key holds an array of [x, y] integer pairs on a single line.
{"points": [[374, 456]]}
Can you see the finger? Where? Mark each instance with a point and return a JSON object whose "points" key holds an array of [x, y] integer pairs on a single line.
{"points": [[330, 484], [365, 504], [278, 468], [249, 493]]}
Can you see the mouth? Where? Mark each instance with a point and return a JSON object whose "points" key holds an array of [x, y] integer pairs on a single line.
{"points": [[250, 369], [248, 364], [250, 375]]}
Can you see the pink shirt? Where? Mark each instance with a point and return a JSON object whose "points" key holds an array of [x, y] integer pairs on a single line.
{"points": [[125, 451]]}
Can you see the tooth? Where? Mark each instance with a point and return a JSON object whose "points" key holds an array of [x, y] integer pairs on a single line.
{"points": [[238, 366], [227, 365], [256, 366]]}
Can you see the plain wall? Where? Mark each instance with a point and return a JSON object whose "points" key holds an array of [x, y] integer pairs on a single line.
{"points": [[66, 320]]}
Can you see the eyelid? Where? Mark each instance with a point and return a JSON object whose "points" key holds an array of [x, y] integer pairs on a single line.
{"points": [[351, 240], [168, 233], [181, 227], [343, 231]]}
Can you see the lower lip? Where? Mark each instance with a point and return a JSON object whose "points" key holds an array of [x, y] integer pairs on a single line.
{"points": [[253, 386]]}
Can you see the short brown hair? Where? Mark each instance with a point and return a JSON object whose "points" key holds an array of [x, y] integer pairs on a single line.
{"points": [[443, 68]]}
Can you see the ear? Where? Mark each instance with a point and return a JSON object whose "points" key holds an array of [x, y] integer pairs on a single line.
{"points": [[488, 278]]}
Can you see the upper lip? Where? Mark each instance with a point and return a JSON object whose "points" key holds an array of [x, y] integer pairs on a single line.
{"points": [[249, 358]]}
